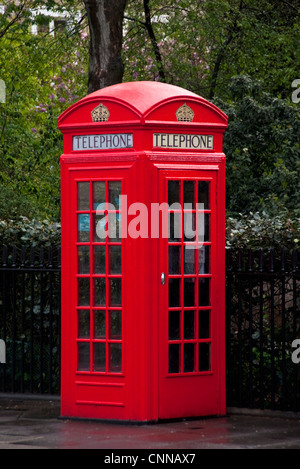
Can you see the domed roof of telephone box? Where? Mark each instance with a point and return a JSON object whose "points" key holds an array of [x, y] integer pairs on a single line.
{"points": [[142, 102]]}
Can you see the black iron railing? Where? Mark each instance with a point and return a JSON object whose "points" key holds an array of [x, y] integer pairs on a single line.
{"points": [[263, 320], [262, 313], [30, 319]]}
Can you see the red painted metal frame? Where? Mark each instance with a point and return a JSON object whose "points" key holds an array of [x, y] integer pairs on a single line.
{"points": [[144, 391]]}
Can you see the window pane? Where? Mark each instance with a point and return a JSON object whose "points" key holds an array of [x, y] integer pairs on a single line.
{"points": [[174, 360], [189, 226], [204, 324], [83, 356], [115, 260], [99, 195], [204, 193], [189, 259], [84, 324], [99, 357], [115, 292], [189, 194], [174, 292], [173, 192], [174, 260], [189, 325], [114, 188], [99, 259], [83, 202], [174, 325], [203, 227], [204, 357], [175, 229], [204, 260], [189, 358], [189, 292], [84, 228], [100, 228], [114, 227], [115, 325], [204, 292], [83, 259], [115, 361], [83, 292], [99, 324], [99, 292]]}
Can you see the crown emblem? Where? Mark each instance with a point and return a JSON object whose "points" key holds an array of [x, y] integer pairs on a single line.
{"points": [[100, 113], [185, 114]]}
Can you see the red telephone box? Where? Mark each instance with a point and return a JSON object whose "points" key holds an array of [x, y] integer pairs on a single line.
{"points": [[143, 248]]}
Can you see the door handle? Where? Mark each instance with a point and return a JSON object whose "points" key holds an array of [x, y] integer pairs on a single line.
{"points": [[163, 278]]}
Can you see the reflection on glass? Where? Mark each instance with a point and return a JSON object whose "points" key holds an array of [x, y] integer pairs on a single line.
{"points": [[115, 325], [115, 292], [174, 361], [115, 358], [204, 193], [189, 292], [204, 260], [99, 195], [84, 228], [83, 193], [83, 292], [204, 357], [99, 292], [100, 324], [189, 259], [189, 358], [115, 260], [99, 362], [174, 325], [174, 292], [99, 259], [114, 188], [84, 324], [83, 259], [173, 192], [83, 356], [174, 260]]}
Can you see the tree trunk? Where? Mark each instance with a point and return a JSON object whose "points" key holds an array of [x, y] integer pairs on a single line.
{"points": [[106, 30]]}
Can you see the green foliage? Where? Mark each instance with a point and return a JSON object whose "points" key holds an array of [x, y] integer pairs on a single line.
{"points": [[262, 145]]}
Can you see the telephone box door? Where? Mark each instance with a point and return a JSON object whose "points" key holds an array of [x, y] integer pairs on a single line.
{"points": [[191, 355]]}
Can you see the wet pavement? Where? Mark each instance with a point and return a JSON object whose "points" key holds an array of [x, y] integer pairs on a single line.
{"points": [[29, 424]]}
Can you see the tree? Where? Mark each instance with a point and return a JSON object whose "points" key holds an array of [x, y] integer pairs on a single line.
{"points": [[105, 19], [40, 84]]}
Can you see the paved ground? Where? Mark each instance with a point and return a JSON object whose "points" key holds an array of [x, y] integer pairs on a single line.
{"points": [[35, 425]]}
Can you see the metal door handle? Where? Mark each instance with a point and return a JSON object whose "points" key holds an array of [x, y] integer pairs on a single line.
{"points": [[163, 278]]}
